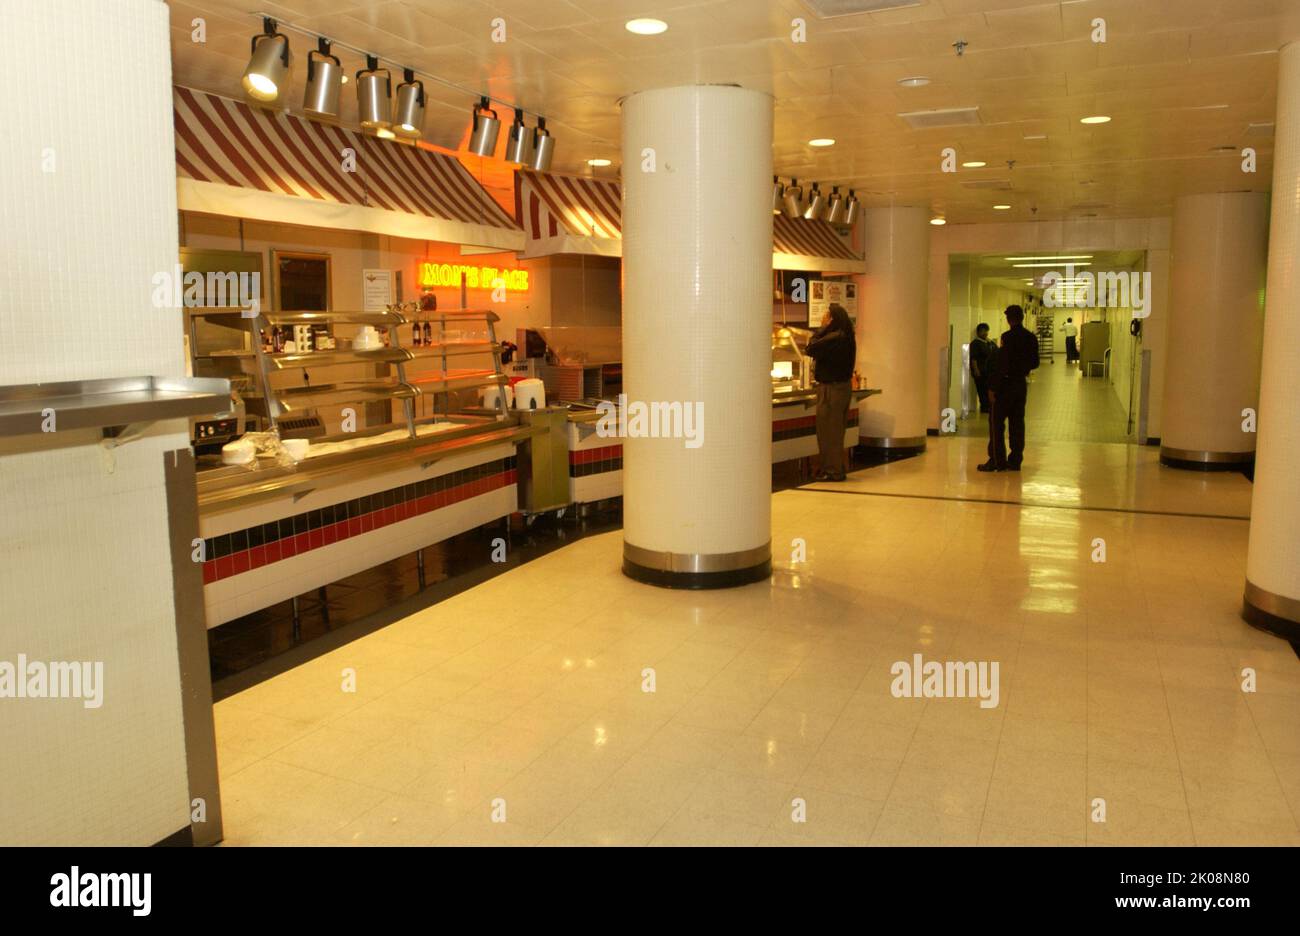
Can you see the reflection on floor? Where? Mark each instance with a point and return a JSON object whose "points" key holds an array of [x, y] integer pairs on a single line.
{"points": [[1064, 406], [1120, 716]]}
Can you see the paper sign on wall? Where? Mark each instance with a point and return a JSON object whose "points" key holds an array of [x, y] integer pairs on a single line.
{"points": [[376, 289], [821, 293]]}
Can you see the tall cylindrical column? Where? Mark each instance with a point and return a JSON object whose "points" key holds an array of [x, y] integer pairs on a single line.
{"points": [[891, 329], [1216, 322], [1272, 599], [697, 267]]}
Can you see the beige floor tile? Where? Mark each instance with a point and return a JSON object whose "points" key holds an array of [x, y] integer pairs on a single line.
{"points": [[900, 825]]}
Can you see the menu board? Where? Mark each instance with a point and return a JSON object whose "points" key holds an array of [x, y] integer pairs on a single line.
{"points": [[376, 290], [821, 293]]}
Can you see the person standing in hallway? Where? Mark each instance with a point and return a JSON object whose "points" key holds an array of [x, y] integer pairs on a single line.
{"points": [[1071, 341], [981, 358], [834, 350], [1008, 392]]}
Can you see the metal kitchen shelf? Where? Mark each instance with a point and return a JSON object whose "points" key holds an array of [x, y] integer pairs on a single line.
{"points": [[378, 319], [297, 399], [453, 348], [455, 381], [284, 361], [114, 401]]}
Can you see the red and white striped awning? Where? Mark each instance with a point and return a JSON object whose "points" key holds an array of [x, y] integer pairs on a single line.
{"points": [[568, 214], [249, 162]]}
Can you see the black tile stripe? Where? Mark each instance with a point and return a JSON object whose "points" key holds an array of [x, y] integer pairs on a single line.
{"points": [[229, 543]]}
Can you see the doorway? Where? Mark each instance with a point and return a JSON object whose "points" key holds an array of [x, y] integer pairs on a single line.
{"points": [[1092, 294]]}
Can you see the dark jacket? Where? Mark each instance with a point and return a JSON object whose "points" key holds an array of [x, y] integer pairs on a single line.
{"points": [[982, 352], [1017, 356], [835, 352]]}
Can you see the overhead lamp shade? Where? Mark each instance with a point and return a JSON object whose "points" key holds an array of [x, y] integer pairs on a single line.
{"points": [[519, 144], [324, 82], [792, 201], [778, 193], [543, 146], [408, 121], [852, 210], [816, 202], [374, 96], [486, 128], [268, 64], [835, 207]]}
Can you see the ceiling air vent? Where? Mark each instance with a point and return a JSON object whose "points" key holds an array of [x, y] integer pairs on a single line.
{"points": [[826, 9], [1259, 129], [952, 117]]}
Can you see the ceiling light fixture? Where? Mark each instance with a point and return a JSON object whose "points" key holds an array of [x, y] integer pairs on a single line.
{"points": [[374, 95], [778, 193], [410, 106], [974, 164], [816, 202], [543, 146], [792, 200], [599, 163], [914, 81], [851, 209], [324, 82], [268, 63], [645, 26], [835, 206], [385, 134], [1099, 119], [938, 222], [822, 141], [518, 142], [1001, 207], [1048, 265], [485, 128]]}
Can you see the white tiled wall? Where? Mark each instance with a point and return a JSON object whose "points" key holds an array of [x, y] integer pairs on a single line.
{"points": [[84, 560]]}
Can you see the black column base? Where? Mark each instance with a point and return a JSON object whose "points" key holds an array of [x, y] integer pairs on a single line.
{"points": [[1266, 621], [697, 580], [1187, 465]]}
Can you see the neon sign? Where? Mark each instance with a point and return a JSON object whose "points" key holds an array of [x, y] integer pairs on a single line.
{"points": [[433, 275]]}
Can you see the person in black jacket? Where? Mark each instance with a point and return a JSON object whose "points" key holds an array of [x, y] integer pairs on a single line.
{"points": [[981, 359], [1008, 391], [834, 350]]}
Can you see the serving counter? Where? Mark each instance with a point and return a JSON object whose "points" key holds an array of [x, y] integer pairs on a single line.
{"points": [[272, 533], [596, 462]]}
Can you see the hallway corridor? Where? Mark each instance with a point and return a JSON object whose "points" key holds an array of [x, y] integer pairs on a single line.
{"points": [[1064, 406]]}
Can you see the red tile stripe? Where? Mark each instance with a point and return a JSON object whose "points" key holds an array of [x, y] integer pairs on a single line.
{"points": [[214, 570], [583, 456]]}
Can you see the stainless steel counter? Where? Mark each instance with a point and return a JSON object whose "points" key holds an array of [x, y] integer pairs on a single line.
{"points": [[231, 486]]}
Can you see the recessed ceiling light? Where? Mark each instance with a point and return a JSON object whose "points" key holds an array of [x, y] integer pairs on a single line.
{"points": [[1027, 265], [645, 26], [915, 81], [1223, 149], [1099, 119], [1036, 136], [822, 141], [974, 164], [937, 221], [385, 134], [599, 163], [1001, 207]]}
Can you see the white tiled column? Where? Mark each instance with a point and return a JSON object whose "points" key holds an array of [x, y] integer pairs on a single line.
{"points": [[697, 258], [1216, 320], [1272, 598], [87, 216], [892, 328]]}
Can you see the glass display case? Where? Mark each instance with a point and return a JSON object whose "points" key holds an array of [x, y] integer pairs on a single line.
{"points": [[791, 366]]}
